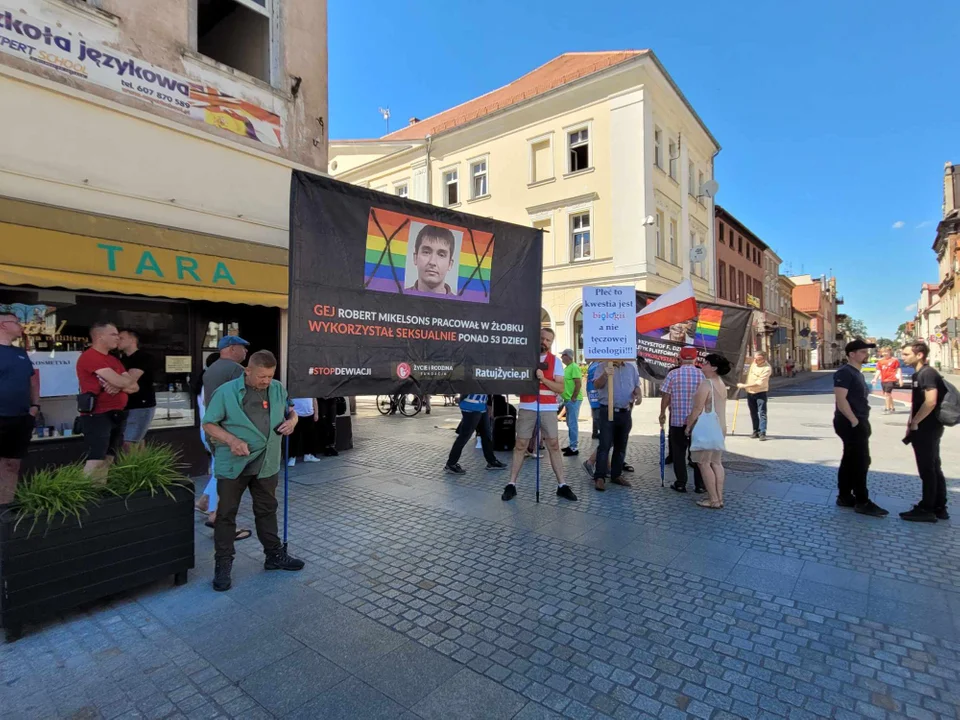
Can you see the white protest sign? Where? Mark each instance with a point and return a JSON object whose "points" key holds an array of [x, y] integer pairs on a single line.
{"points": [[609, 323]]}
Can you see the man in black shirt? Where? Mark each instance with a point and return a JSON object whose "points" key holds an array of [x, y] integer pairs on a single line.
{"points": [[851, 421], [142, 404], [924, 431]]}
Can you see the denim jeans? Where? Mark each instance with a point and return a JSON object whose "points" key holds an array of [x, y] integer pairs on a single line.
{"points": [[757, 402], [573, 422]]}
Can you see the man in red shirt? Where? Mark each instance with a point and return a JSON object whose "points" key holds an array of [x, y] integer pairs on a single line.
{"points": [[890, 374], [103, 376]]}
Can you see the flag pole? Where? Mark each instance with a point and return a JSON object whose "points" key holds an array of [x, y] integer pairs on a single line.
{"points": [[536, 446]]}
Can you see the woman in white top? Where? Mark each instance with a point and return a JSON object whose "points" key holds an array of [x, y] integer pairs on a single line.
{"points": [[711, 395], [304, 442]]}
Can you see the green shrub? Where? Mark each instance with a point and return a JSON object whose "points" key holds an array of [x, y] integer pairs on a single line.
{"points": [[55, 493], [154, 468]]}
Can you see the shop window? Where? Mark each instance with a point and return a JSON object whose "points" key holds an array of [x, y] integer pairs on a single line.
{"points": [[236, 33], [578, 335]]}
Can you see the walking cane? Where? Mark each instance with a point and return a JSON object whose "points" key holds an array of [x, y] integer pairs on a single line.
{"points": [[536, 447], [286, 485], [736, 410]]}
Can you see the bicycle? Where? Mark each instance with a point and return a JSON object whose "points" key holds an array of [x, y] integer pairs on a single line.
{"points": [[408, 404]]}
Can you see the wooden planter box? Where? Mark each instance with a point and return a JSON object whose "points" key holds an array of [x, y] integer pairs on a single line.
{"points": [[123, 543]]}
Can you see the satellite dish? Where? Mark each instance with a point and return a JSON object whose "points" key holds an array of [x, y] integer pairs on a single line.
{"points": [[649, 220], [710, 188]]}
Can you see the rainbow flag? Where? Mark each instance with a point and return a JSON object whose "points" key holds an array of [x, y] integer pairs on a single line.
{"points": [[708, 328], [473, 283], [377, 272]]}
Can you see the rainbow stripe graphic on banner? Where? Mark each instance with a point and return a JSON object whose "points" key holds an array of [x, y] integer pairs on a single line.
{"points": [[386, 270], [476, 259], [708, 328], [383, 271]]}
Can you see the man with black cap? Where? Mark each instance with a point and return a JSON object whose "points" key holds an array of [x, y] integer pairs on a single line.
{"points": [[677, 393], [851, 421]]}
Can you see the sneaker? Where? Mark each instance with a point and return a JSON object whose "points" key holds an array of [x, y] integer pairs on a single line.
{"points": [[846, 501], [699, 490], [570, 453], [678, 487], [536, 456], [918, 514], [282, 560], [598, 483], [221, 574], [565, 492], [496, 465], [628, 468], [455, 469], [763, 436], [942, 514], [621, 481], [872, 509], [311, 458], [291, 462], [509, 492], [590, 467], [755, 435]]}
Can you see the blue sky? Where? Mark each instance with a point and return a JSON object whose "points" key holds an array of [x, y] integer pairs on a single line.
{"points": [[835, 117]]}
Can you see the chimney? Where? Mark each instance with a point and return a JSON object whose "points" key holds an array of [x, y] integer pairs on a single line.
{"points": [[414, 120]]}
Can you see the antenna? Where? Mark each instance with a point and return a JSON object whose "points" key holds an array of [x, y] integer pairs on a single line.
{"points": [[385, 112]]}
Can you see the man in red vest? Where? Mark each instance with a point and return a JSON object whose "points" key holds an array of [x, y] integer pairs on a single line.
{"points": [[550, 375]]}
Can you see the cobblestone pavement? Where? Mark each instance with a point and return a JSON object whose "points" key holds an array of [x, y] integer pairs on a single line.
{"points": [[425, 596]]}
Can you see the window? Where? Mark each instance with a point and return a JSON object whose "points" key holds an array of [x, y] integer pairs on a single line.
{"points": [[731, 238], [720, 234], [451, 185], [658, 147], [691, 173], [661, 246], [699, 192], [579, 144], [478, 179], [236, 33], [741, 288], [673, 156], [580, 229], [740, 245], [401, 190], [722, 280], [541, 160], [732, 290], [673, 241], [549, 243]]}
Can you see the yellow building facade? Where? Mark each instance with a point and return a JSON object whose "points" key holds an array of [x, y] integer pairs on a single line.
{"points": [[599, 150]]}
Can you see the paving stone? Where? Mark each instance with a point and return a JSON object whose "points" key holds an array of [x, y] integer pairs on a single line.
{"points": [[469, 695], [292, 682], [349, 700]]}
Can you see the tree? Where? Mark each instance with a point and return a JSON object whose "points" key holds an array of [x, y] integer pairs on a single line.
{"points": [[851, 327], [883, 342], [903, 335]]}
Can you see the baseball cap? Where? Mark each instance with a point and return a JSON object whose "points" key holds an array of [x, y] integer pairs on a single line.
{"points": [[228, 340], [688, 353], [858, 344], [568, 352]]}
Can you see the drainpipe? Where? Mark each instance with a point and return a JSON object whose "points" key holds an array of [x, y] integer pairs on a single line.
{"points": [[429, 173]]}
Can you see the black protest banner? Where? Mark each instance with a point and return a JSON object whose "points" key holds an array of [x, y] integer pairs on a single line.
{"points": [[717, 329], [390, 295]]}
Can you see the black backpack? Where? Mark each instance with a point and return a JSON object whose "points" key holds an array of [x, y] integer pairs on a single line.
{"points": [[949, 413]]}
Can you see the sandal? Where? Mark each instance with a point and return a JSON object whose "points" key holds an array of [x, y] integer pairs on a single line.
{"points": [[709, 504], [242, 534]]}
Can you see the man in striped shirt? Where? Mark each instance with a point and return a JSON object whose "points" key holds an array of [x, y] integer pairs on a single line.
{"points": [[474, 411]]}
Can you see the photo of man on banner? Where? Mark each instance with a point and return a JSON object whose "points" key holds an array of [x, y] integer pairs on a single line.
{"points": [[434, 260]]}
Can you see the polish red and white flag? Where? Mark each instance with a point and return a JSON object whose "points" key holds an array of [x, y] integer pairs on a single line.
{"points": [[674, 306]]}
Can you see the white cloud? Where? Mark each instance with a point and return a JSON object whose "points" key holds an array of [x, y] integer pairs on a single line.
{"points": [[925, 223], [912, 307], [898, 224]]}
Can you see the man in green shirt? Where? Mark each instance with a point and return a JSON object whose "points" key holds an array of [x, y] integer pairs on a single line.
{"points": [[572, 397], [245, 420]]}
